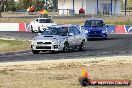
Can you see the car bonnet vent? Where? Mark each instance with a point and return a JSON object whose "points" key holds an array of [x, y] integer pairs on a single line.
{"points": [[48, 36]]}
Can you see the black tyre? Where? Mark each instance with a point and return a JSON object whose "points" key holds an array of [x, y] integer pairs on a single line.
{"points": [[39, 30], [35, 51], [66, 48], [32, 29], [82, 46], [104, 37]]}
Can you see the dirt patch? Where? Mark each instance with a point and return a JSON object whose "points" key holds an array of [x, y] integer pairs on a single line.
{"points": [[63, 73]]}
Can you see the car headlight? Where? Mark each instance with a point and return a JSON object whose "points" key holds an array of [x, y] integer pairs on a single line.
{"points": [[56, 41], [104, 31], [86, 31]]}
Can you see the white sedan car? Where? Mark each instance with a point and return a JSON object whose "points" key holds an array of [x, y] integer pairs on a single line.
{"points": [[39, 24]]}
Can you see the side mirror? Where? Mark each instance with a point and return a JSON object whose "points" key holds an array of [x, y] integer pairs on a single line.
{"points": [[106, 25], [71, 34]]}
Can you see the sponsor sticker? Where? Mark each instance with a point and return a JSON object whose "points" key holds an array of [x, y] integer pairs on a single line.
{"points": [[86, 81]]}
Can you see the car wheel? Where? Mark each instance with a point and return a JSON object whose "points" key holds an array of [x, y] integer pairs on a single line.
{"points": [[35, 51], [82, 46], [104, 37], [66, 48], [39, 30], [32, 29]]}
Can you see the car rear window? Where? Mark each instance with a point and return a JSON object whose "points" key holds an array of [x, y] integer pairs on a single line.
{"points": [[45, 21]]}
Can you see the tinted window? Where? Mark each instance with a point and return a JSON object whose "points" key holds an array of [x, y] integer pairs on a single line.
{"points": [[45, 21], [71, 30], [76, 30], [61, 31], [94, 23]]}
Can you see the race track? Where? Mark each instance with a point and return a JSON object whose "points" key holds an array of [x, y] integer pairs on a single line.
{"points": [[116, 44]]}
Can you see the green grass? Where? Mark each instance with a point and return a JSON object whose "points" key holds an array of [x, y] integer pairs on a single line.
{"points": [[13, 46], [120, 23], [108, 20]]}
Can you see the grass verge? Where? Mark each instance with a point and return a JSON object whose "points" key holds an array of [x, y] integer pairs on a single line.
{"points": [[7, 46], [117, 21], [64, 73]]}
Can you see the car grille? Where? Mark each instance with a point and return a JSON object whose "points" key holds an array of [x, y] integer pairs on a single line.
{"points": [[95, 32], [43, 47], [44, 43], [47, 43], [39, 42], [95, 36]]}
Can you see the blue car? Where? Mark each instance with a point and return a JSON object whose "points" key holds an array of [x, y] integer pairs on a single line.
{"points": [[95, 28]]}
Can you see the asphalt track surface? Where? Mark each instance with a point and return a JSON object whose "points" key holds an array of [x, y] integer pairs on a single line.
{"points": [[116, 44]]}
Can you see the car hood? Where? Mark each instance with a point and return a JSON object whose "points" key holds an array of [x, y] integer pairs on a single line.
{"points": [[47, 37]]}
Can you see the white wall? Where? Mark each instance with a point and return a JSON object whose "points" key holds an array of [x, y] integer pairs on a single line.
{"points": [[118, 5], [69, 5], [9, 26], [64, 5], [90, 6], [118, 9]]}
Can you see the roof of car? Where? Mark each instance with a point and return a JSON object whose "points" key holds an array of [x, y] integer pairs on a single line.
{"points": [[43, 18], [94, 19], [63, 25]]}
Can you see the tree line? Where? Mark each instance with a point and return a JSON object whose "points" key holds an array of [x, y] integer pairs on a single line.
{"points": [[22, 5], [129, 4]]}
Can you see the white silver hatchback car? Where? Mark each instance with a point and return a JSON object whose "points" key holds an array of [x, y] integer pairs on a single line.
{"points": [[39, 24], [59, 38]]}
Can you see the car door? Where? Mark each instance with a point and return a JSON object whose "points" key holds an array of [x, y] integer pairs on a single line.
{"points": [[78, 36], [71, 38]]}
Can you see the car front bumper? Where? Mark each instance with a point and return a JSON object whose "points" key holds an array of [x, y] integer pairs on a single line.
{"points": [[96, 35], [52, 47]]}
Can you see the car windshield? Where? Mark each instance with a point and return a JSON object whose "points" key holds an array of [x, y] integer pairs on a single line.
{"points": [[45, 21], [94, 23], [61, 31]]}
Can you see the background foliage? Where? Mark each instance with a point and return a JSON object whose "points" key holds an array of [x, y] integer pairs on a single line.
{"points": [[22, 5]]}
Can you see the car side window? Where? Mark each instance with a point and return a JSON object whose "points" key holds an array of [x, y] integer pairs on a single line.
{"points": [[51, 21], [76, 30], [88, 23], [71, 30], [103, 23]]}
